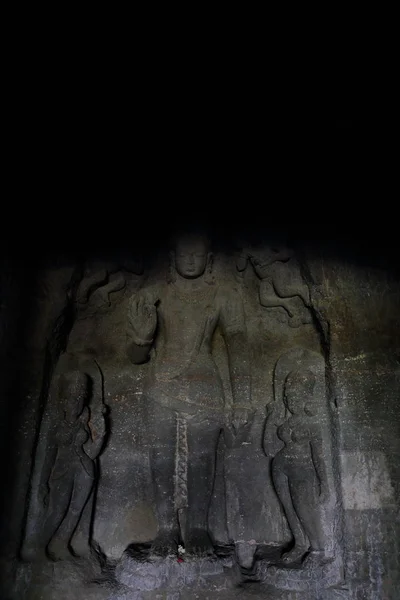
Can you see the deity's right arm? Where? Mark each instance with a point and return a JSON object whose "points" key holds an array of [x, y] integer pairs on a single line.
{"points": [[142, 323]]}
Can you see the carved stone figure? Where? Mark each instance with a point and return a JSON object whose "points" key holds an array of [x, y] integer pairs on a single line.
{"points": [[281, 282], [175, 322], [72, 468], [101, 279], [298, 469]]}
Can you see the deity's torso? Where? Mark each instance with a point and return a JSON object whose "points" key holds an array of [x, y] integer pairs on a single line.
{"points": [[296, 433], [70, 452], [183, 372]]}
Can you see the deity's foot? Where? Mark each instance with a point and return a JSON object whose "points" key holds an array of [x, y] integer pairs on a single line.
{"points": [[83, 551], [165, 544], [59, 550], [197, 541], [295, 555], [321, 557], [245, 552]]}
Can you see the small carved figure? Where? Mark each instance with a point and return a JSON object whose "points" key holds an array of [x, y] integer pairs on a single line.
{"points": [[298, 470], [102, 279], [73, 468], [176, 321], [281, 282]]}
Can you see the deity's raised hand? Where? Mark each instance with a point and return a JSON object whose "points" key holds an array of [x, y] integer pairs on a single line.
{"points": [[143, 319]]}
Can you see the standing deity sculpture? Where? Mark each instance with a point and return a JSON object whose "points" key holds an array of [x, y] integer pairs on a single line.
{"points": [[174, 324], [70, 466], [299, 471]]}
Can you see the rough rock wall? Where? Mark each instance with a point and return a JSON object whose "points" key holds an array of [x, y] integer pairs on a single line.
{"points": [[359, 310], [351, 321]]}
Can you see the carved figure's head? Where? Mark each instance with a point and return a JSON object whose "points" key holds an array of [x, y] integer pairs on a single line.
{"points": [[74, 392], [298, 391], [191, 256]]}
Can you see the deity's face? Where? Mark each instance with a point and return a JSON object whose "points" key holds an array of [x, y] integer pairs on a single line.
{"points": [[294, 401], [298, 391], [191, 257]]}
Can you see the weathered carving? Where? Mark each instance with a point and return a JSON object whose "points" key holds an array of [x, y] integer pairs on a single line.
{"points": [[281, 282], [299, 469], [174, 323], [172, 344], [100, 280], [71, 465]]}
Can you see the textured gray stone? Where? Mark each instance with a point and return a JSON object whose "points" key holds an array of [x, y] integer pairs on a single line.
{"points": [[243, 411]]}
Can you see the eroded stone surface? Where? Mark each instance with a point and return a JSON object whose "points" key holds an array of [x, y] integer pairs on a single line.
{"points": [[243, 415]]}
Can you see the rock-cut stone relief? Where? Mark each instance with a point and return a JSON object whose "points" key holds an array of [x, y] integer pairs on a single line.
{"points": [[281, 282], [300, 473], [173, 325], [79, 439], [160, 346], [67, 467], [100, 280]]}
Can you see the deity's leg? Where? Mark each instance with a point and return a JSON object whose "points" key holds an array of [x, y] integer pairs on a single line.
{"points": [[301, 544], [60, 498], [202, 439], [306, 502], [162, 439], [83, 486]]}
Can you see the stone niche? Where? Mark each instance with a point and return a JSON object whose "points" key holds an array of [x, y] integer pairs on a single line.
{"points": [[208, 424]]}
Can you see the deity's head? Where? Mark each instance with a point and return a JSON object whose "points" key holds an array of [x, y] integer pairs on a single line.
{"points": [[191, 257], [298, 391], [74, 391]]}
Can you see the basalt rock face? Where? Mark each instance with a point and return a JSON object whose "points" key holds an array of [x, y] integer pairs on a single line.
{"points": [[215, 422]]}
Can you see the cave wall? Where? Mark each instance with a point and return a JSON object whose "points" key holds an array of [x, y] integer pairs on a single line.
{"points": [[302, 307]]}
